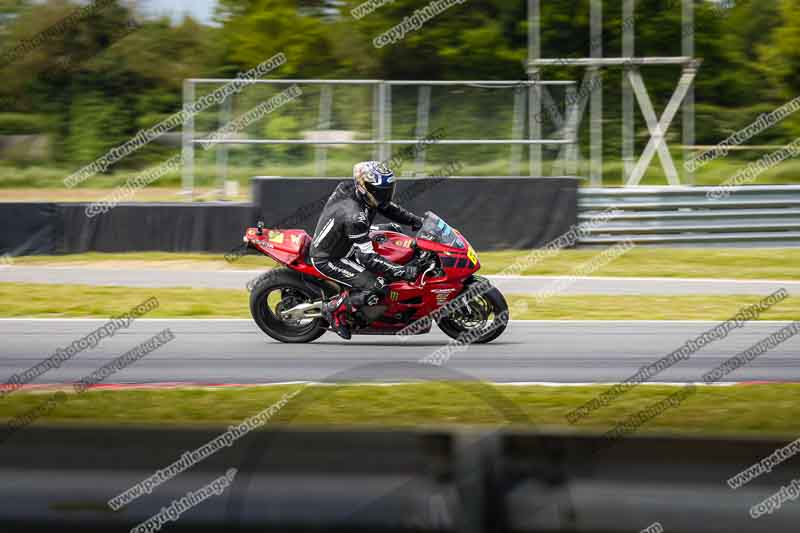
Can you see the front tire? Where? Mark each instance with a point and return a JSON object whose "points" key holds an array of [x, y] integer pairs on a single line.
{"points": [[482, 320], [283, 288]]}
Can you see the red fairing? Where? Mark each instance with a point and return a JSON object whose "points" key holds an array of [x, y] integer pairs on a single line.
{"points": [[434, 246], [288, 247], [395, 247], [457, 263]]}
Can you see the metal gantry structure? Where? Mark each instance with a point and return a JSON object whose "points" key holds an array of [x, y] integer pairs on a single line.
{"points": [[382, 140], [632, 85], [532, 95]]}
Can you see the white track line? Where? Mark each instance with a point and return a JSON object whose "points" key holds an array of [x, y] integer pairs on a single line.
{"points": [[664, 280], [197, 385], [490, 276], [249, 320]]}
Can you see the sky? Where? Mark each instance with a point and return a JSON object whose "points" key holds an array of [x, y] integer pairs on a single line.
{"points": [[202, 10]]}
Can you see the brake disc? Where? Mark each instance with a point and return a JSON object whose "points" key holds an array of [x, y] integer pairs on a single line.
{"points": [[473, 315]]}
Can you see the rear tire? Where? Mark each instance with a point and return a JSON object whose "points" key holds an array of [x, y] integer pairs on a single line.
{"points": [[290, 289], [490, 304]]}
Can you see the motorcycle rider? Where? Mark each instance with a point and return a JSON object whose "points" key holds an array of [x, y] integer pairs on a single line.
{"points": [[342, 250]]}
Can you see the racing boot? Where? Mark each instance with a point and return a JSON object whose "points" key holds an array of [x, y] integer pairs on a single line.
{"points": [[335, 312]]}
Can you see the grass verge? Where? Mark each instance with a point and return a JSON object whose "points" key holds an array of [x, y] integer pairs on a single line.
{"points": [[750, 410], [154, 260], [717, 263], [65, 301], [82, 194]]}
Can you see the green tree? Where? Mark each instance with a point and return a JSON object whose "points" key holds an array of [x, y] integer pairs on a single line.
{"points": [[781, 53], [254, 30]]}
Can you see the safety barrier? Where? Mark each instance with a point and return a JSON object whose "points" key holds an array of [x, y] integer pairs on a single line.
{"points": [[293, 480], [762, 215], [494, 213]]}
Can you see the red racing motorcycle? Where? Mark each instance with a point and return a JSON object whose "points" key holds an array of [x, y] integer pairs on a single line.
{"points": [[286, 302]]}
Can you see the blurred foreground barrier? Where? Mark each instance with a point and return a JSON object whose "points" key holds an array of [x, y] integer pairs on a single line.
{"points": [[378, 481], [762, 215]]}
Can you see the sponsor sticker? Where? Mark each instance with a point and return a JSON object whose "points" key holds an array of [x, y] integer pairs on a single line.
{"points": [[442, 295], [276, 236]]}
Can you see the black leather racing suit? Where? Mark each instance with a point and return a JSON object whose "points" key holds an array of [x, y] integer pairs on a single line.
{"points": [[342, 250]]}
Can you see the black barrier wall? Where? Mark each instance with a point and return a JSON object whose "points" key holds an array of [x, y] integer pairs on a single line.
{"points": [[39, 229], [28, 228], [157, 227], [493, 213]]}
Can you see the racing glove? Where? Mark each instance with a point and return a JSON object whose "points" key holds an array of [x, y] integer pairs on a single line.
{"points": [[410, 273], [391, 226]]}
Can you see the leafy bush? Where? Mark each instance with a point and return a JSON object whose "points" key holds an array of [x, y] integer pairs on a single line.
{"points": [[23, 123]]}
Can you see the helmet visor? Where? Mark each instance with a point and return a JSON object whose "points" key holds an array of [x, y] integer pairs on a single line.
{"points": [[382, 195]]}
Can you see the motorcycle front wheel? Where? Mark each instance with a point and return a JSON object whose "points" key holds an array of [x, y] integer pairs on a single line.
{"points": [[480, 319]]}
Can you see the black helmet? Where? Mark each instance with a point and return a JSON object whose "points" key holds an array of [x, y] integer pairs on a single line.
{"points": [[374, 183]]}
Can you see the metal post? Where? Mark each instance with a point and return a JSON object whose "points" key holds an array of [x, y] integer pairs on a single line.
{"points": [[222, 151], [387, 122], [323, 123], [571, 152], [596, 124], [535, 126], [517, 127], [535, 90], [575, 108], [423, 121], [687, 47], [188, 146], [377, 117], [628, 50], [596, 110], [382, 150], [534, 30]]}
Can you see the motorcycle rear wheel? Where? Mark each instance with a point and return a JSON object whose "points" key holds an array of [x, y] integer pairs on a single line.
{"points": [[282, 289], [484, 318]]}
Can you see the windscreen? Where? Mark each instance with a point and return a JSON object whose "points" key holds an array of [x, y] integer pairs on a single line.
{"points": [[437, 230]]}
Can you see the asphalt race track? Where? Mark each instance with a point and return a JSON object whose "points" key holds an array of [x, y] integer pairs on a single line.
{"points": [[235, 351], [237, 279]]}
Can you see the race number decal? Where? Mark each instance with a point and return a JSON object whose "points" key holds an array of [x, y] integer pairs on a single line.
{"points": [[472, 255]]}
